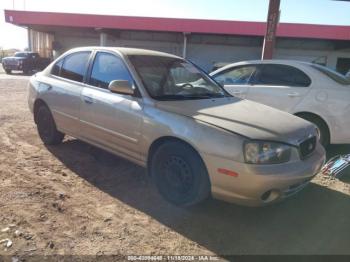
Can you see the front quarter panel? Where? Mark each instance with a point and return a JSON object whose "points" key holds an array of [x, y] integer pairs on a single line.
{"points": [[33, 92], [204, 138]]}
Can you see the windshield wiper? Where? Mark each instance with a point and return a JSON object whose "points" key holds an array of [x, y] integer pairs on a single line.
{"points": [[170, 97], [188, 97]]}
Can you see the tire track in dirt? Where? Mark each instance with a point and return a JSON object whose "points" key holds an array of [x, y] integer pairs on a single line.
{"points": [[60, 203]]}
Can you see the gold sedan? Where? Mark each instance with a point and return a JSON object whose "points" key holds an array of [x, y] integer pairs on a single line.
{"points": [[164, 113]]}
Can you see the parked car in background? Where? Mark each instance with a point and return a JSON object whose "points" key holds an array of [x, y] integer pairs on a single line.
{"points": [[25, 61], [218, 65], [163, 113], [310, 91]]}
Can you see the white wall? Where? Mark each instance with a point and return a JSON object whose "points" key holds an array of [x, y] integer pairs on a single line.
{"points": [[207, 50], [206, 55], [168, 47], [311, 55]]}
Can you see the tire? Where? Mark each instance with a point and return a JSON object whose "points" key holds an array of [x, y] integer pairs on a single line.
{"points": [[46, 127], [26, 72], [321, 126], [8, 71], [180, 174]]}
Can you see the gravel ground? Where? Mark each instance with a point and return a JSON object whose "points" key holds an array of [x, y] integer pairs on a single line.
{"points": [[74, 199]]}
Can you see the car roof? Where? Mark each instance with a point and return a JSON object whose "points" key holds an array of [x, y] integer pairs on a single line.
{"points": [[267, 61], [26, 52], [124, 50]]}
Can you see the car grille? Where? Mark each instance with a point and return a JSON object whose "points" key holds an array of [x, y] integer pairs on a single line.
{"points": [[307, 147], [11, 62]]}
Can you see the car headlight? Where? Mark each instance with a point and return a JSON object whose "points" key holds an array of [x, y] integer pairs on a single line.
{"points": [[260, 152]]}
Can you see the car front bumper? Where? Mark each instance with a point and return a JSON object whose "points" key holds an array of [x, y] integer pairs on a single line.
{"points": [[257, 185], [13, 67]]}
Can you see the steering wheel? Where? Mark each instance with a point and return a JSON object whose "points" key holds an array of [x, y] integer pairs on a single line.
{"points": [[188, 85]]}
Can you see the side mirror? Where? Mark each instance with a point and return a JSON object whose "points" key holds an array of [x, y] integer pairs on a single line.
{"points": [[121, 87]]}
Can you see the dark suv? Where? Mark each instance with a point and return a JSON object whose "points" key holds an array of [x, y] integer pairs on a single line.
{"points": [[24, 61]]}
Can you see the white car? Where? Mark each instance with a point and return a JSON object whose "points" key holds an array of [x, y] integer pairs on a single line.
{"points": [[348, 75], [310, 91]]}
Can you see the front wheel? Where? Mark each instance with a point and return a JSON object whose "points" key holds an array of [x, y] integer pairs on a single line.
{"points": [[180, 174], [46, 127], [322, 128], [26, 71]]}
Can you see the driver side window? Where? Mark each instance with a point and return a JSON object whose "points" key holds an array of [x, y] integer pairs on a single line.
{"points": [[106, 68], [236, 76]]}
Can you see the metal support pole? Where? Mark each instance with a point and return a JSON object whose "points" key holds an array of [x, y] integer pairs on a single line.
{"points": [[271, 28], [30, 39], [103, 39], [184, 50]]}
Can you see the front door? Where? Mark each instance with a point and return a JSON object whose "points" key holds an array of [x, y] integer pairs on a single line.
{"points": [[109, 119]]}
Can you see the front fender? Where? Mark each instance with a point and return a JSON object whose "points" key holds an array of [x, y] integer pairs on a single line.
{"points": [[203, 137]]}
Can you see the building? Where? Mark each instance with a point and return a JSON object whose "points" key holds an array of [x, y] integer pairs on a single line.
{"points": [[205, 42]]}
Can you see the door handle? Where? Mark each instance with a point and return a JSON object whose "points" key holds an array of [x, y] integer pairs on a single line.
{"points": [[88, 99], [294, 94]]}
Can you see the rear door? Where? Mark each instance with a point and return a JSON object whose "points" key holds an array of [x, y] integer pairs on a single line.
{"points": [[64, 88], [278, 85], [236, 79]]}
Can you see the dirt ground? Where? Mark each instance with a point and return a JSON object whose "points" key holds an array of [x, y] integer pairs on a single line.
{"points": [[74, 199]]}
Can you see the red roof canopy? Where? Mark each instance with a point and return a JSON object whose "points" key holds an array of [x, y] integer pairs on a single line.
{"points": [[28, 18]]}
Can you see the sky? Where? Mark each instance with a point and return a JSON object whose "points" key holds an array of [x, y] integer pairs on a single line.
{"points": [[292, 11]]}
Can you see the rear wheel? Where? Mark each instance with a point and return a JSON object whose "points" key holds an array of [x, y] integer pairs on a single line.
{"points": [[322, 128], [180, 174], [8, 71], [46, 127]]}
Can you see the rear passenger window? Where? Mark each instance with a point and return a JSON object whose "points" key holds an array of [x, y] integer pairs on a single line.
{"points": [[74, 66], [108, 67], [56, 69], [281, 75]]}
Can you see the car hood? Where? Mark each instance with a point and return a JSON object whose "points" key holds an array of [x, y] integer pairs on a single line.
{"points": [[243, 117]]}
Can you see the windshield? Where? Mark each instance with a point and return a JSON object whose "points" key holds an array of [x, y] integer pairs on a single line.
{"points": [[339, 78], [21, 55], [167, 78]]}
